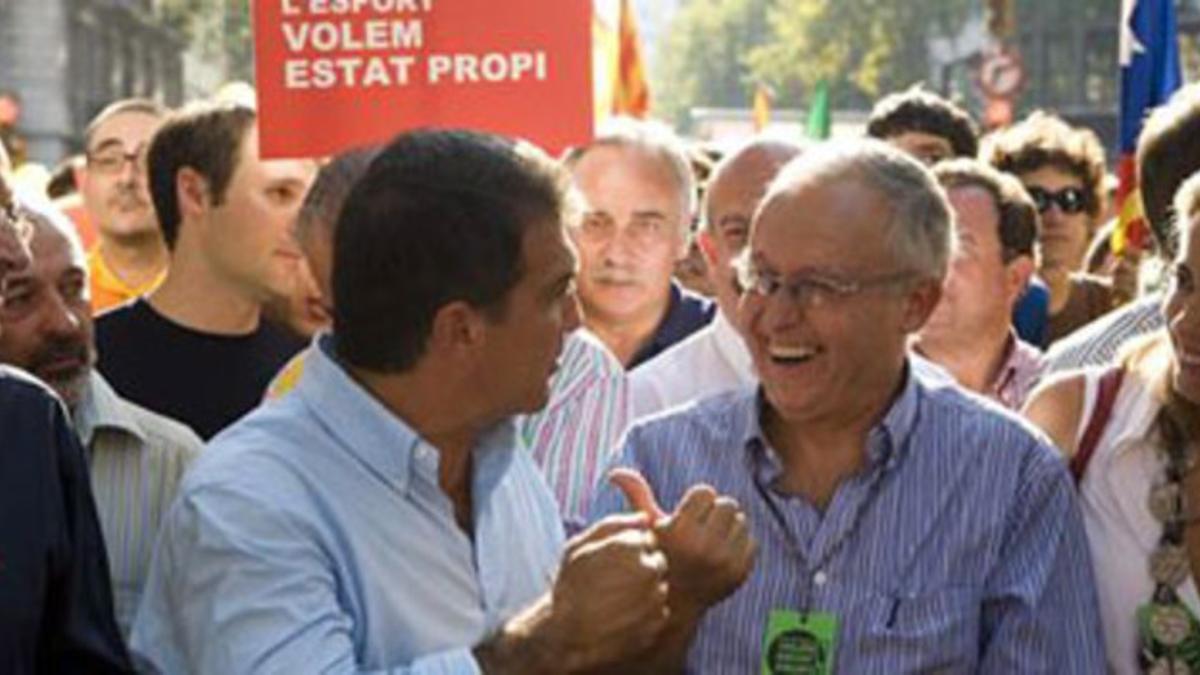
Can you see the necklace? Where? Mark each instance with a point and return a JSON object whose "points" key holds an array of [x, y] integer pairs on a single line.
{"points": [[1170, 634]]}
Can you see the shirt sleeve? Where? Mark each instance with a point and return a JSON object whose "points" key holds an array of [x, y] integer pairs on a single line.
{"points": [[1040, 612], [81, 633], [239, 587]]}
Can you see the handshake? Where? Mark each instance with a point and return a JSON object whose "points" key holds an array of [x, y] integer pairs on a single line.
{"points": [[631, 589]]}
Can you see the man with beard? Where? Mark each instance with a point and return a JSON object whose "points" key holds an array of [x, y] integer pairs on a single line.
{"points": [[970, 334], [130, 257], [55, 604], [136, 456]]}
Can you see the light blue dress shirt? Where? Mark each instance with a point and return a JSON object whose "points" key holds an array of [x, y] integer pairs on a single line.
{"points": [[969, 555], [312, 537]]}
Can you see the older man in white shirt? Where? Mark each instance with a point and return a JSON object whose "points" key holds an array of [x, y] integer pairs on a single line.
{"points": [[714, 359]]}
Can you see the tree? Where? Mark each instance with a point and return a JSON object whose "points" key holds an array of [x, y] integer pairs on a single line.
{"points": [[702, 59], [864, 48]]}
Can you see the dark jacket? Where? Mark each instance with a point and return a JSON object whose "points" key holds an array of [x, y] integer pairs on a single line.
{"points": [[56, 610]]}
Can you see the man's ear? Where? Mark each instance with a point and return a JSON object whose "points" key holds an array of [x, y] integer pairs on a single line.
{"points": [[1017, 274], [459, 331], [192, 192], [920, 301]]}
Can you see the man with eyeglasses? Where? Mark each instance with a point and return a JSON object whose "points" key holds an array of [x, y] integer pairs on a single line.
{"points": [[904, 526], [129, 258], [970, 334], [1062, 168], [640, 197]]}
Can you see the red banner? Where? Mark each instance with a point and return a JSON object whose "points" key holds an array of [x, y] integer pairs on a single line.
{"points": [[337, 74]]}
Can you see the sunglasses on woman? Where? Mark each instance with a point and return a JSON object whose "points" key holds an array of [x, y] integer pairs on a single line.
{"points": [[1070, 200]]}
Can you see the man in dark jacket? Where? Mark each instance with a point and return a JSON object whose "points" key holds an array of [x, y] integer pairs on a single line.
{"points": [[56, 611]]}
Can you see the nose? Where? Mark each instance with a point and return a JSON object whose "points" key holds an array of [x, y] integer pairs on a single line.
{"points": [[58, 319]]}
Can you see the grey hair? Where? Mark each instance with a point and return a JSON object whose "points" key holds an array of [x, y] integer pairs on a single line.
{"points": [[651, 138], [42, 213], [921, 227], [1186, 207]]}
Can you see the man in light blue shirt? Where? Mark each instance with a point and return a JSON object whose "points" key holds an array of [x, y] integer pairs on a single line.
{"points": [[905, 526], [383, 517]]}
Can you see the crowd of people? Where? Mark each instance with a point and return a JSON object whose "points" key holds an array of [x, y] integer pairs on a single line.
{"points": [[451, 405]]}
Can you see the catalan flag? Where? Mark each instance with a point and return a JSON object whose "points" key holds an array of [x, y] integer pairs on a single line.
{"points": [[1149, 57], [631, 95]]}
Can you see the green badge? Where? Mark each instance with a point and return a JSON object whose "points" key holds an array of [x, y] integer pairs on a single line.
{"points": [[799, 644]]}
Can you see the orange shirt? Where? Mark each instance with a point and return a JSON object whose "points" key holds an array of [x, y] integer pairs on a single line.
{"points": [[107, 289]]}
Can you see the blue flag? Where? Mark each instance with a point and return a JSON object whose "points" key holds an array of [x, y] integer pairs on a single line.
{"points": [[1150, 73]]}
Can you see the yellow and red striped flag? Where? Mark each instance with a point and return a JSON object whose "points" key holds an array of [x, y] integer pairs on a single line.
{"points": [[631, 93], [761, 108]]}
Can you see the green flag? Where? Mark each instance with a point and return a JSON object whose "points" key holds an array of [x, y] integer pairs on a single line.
{"points": [[820, 121]]}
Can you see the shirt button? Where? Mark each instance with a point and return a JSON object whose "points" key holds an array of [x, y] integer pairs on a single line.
{"points": [[820, 578]]}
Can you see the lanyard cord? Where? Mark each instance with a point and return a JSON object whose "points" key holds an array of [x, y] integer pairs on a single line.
{"points": [[831, 552]]}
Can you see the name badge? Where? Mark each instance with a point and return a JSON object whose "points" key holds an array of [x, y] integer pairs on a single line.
{"points": [[799, 644]]}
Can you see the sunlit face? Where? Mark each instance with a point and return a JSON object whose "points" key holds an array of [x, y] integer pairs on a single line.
{"points": [[1183, 315], [247, 237], [47, 317], [630, 236], [733, 196], [977, 297], [927, 148], [114, 183], [824, 356], [1064, 237], [524, 345]]}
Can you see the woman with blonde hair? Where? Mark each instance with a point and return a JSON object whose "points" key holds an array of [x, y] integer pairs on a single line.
{"points": [[1131, 433]]}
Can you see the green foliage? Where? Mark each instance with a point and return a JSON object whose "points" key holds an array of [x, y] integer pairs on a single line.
{"points": [[220, 29], [702, 60], [716, 50]]}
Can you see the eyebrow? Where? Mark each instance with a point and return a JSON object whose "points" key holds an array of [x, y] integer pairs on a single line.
{"points": [[649, 213], [107, 143]]}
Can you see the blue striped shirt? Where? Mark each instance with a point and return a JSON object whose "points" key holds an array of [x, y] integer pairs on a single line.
{"points": [[969, 555], [312, 537]]}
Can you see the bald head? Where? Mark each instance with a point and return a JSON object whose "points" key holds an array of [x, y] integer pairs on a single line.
{"points": [[737, 186]]}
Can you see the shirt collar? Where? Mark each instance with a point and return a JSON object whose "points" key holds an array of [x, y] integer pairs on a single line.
{"points": [[380, 438], [886, 441], [684, 315], [733, 347], [100, 409]]}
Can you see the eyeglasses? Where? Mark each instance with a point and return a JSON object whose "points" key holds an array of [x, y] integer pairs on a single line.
{"points": [[811, 291], [1070, 200], [112, 159]]}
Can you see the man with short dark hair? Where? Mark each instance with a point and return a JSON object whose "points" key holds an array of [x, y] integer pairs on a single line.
{"points": [[970, 333], [383, 516], [924, 125], [129, 258], [640, 195], [196, 349], [136, 457]]}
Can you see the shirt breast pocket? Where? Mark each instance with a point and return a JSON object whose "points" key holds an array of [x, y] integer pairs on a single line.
{"points": [[929, 632]]}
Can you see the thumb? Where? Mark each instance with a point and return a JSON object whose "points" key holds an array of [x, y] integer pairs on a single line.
{"points": [[638, 492]]}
